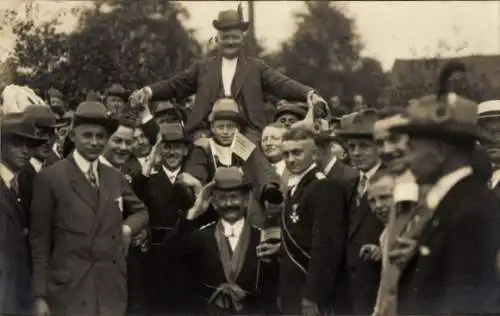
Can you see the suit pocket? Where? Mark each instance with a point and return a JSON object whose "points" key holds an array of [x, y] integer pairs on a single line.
{"points": [[61, 277]]}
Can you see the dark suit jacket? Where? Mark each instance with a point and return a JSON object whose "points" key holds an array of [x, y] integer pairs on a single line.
{"points": [[313, 233], [201, 254], [26, 178], [459, 276], [363, 276], [253, 78], [14, 256], [345, 176], [76, 239], [53, 158]]}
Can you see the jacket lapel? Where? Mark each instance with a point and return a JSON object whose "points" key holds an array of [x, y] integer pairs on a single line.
{"points": [[303, 184], [105, 184], [81, 185], [239, 76], [213, 71], [10, 204]]}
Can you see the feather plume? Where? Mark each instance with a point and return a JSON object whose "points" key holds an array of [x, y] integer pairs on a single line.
{"points": [[446, 73], [240, 11]]}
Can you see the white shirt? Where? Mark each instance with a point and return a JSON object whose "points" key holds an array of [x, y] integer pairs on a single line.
{"points": [[233, 232], [444, 185], [55, 149], [84, 165], [330, 165], [6, 174], [36, 164], [142, 160], [369, 174], [228, 70], [172, 175], [495, 178], [294, 180], [280, 167]]}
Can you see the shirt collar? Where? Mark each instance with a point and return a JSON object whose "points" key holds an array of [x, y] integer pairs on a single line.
{"points": [[330, 165], [294, 180], [105, 161], [370, 173], [444, 185], [83, 164], [495, 178], [55, 149], [229, 61], [36, 164], [172, 175], [280, 167], [6, 174], [234, 228]]}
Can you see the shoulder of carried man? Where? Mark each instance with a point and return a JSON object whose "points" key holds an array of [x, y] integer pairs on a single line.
{"points": [[320, 175]]}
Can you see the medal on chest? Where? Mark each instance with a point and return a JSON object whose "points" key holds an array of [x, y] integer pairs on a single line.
{"points": [[294, 216]]}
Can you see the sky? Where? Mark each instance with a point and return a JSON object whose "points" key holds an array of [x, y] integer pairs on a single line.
{"points": [[389, 30]]}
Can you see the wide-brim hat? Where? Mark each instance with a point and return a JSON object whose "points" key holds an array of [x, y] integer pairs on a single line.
{"points": [[17, 125], [325, 137], [230, 19], [451, 119], [174, 133], [93, 112], [358, 124], [230, 178], [42, 117], [226, 109], [297, 109]]}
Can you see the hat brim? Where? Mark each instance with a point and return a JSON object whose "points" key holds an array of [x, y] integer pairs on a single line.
{"points": [[29, 137], [109, 123], [353, 134], [227, 115], [242, 187], [223, 26], [296, 113], [323, 139], [448, 133]]}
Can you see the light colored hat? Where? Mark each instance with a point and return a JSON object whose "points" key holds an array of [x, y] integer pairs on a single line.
{"points": [[488, 109], [225, 109]]}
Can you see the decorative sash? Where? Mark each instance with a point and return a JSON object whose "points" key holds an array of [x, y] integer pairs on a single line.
{"points": [[298, 255], [229, 294]]}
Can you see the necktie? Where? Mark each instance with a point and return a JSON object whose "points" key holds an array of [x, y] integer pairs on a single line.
{"points": [[363, 180], [14, 185], [91, 176]]}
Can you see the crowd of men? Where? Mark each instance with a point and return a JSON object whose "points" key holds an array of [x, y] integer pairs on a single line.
{"points": [[131, 205]]}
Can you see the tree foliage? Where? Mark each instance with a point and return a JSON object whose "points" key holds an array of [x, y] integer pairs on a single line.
{"points": [[324, 52], [124, 41]]}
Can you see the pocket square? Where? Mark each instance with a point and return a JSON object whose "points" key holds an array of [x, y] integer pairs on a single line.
{"points": [[119, 202]]}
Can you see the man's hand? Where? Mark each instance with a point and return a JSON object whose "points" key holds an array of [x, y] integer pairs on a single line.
{"points": [[370, 252], [309, 308], [140, 97], [401, 252], [40, 307], [314, 98], [203, 200], [127, 238], [139, 238], [266, 250], [189, 181]]}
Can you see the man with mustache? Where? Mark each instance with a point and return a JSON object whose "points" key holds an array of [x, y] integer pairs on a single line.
{"points": [[225, 257], [363, 225], [448, 251], [18, 138], [230, 73], [489, 119]]}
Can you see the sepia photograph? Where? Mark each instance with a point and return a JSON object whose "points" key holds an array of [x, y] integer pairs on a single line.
{"points": [[314, 158]]}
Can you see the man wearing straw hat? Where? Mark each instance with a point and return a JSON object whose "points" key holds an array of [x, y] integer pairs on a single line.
{"points": [[18, 138], [228, 74], [489, 119]]}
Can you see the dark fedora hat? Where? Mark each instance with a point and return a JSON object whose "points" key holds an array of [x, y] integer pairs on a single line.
{"points": [[42, 116], [285, 107], [230, 178], [17, 125], [226, 109], [230, 19], [358, 124], [173, 133], [167, 107], [93, 112], [450, 118]]}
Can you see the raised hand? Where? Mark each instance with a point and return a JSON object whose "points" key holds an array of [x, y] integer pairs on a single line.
{"points": [[203, 200], [140, 97]]}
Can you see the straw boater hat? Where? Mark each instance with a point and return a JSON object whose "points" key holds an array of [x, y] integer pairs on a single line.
{"points": [[230, 178], [226, 109], [93, 112], [230, 19], [444, 116], [488, 110], [358, 124]]}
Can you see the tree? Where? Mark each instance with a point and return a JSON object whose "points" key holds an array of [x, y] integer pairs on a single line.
{"points": [[124, 41], [324, 52]]}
